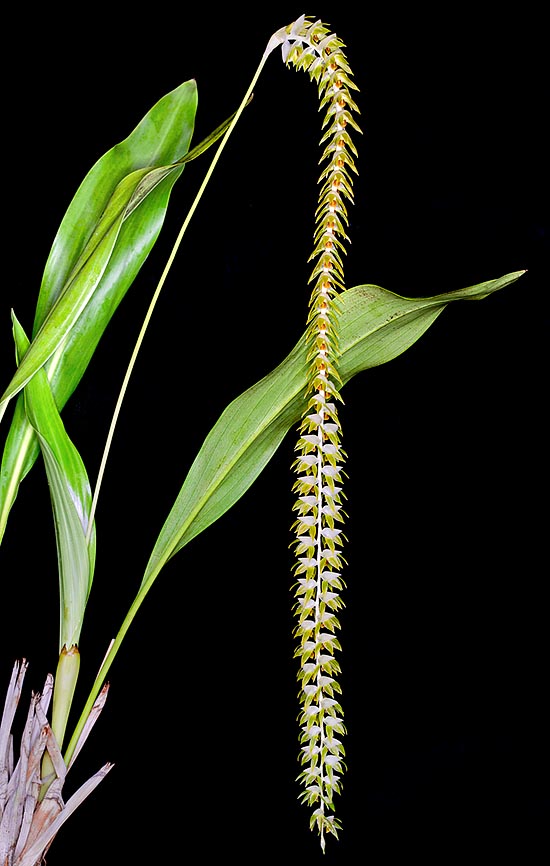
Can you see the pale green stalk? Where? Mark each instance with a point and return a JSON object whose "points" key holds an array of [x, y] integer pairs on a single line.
{"points": [[275, 40], [65, 683], [160, 285]]}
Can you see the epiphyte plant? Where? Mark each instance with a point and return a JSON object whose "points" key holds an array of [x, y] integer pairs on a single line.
{"points": [[103, 240]]}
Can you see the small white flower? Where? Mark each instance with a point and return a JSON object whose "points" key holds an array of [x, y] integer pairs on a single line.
{"points": [[309, 45]]}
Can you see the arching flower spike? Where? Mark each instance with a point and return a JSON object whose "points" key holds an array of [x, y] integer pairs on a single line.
{"points": [[318, 541]]}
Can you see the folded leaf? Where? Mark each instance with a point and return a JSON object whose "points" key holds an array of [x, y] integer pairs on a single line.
{"points": [[71, 500]]}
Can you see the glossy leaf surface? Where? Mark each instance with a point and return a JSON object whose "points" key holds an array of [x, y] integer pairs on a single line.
{"points": [[71, 501], [103, 240]]}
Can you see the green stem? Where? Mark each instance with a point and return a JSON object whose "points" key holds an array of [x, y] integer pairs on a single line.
{"points": [[104, 669], [275, 40], [66, 676], [158, 290]]}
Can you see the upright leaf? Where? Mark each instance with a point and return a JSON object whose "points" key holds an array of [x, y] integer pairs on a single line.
{"points": [[161, 139], [71, 500]]}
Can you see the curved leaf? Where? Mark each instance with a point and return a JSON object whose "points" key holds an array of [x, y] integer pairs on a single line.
{"points": [[71, 500], [160, 139], [375, 326], [103, 274]]}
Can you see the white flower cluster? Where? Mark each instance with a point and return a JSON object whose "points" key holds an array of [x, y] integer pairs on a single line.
{"points": [[319, 464]]}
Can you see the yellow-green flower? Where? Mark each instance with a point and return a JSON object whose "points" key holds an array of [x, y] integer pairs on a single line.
{"points": [[320, 458]]}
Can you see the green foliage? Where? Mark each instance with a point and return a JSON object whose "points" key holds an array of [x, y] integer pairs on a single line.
{"points": [[71, 500], [376, 326], [102, 242], [104, 238]]}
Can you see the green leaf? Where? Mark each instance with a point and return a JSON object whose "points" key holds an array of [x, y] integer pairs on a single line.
{"points": [[375, 326], [71, 500], [101, 244]]}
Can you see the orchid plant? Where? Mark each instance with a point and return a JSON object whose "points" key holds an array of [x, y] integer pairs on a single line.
{"points": [[107, 233]]}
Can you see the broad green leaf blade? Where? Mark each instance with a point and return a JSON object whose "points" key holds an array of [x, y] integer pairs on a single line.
{"points": [[137, 235], [375, 326], [160, 139], [71, 500], [82, 282]]}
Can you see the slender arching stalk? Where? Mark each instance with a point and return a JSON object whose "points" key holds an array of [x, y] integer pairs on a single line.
{"points": [[308, 45], [116, 642], [156, 295]]}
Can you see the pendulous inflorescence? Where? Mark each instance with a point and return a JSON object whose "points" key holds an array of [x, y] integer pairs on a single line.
{"points": [[309, 45]]}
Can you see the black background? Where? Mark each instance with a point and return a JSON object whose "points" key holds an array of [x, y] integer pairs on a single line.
{"points": [[445, 631]]}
